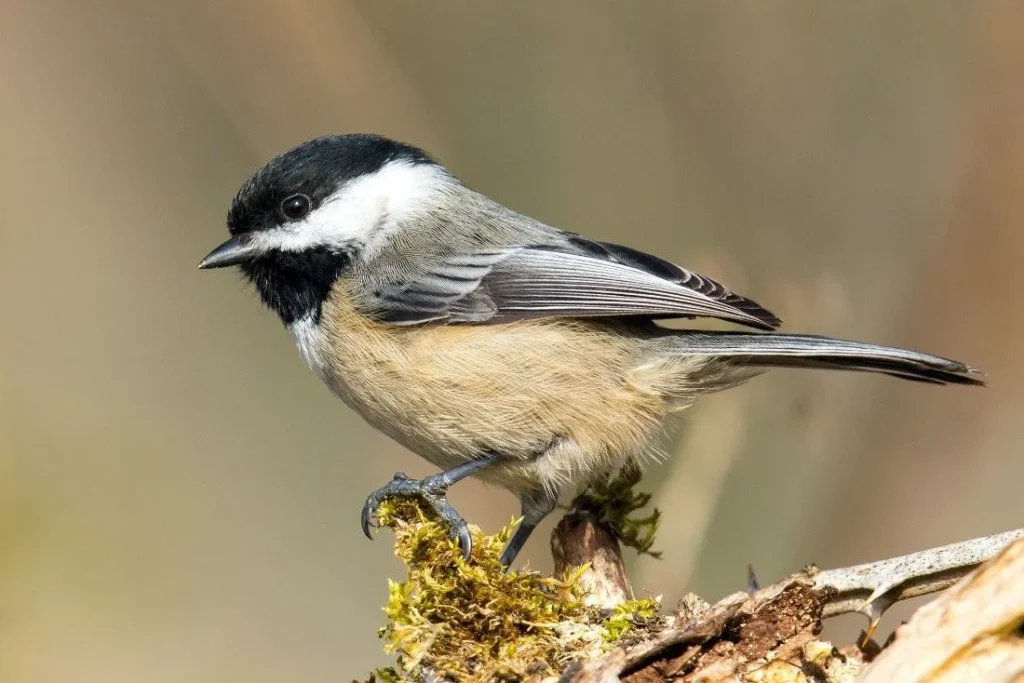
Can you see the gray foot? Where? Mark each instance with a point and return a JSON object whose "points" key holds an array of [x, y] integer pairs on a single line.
{"points": [[430, 492]]}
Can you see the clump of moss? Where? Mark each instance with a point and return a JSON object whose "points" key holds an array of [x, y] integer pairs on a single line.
{"points": [[616, 504], [627, 616], [473, 620]]}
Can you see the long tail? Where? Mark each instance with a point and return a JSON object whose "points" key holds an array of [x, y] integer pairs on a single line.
{"points": [[810, 351]]}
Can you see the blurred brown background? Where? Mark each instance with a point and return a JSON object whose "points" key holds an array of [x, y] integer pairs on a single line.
{"points": [[179, 495]]}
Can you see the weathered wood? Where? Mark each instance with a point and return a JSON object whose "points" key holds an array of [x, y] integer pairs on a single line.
{"points": [[582, 538]]}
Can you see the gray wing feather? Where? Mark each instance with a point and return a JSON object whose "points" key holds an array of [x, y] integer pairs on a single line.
{"points": [[448, 290], [534, 282]]}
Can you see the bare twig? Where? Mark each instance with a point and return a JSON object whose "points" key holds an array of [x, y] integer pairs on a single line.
{"points": [[874, 587]]}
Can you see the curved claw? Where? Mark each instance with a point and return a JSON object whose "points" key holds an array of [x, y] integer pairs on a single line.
{"points": [[366, 517], [400, 484], [460, 533]]}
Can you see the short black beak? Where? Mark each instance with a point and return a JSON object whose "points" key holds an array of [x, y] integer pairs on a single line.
{"points": [[233, 252]]}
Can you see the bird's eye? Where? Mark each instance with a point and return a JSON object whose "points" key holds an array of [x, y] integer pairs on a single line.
{"points": [[295, 207]]}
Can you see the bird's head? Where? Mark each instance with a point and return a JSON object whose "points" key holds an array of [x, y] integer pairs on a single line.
{"points": [[299, 221]]}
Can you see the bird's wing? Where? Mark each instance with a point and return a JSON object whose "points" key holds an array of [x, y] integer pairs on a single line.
{"points": [[571, 278]]}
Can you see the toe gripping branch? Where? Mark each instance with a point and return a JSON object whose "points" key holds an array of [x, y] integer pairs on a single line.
{"points": [[431, 493]]}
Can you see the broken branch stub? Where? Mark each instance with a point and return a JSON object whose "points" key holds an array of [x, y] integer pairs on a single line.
{"points": [[581, 538]]}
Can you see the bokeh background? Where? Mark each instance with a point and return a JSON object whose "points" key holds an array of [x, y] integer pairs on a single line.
{"points": [[179, 495]]}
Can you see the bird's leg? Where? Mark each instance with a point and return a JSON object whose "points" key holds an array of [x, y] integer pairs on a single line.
{"points": [[536, 505], [431, 492]]}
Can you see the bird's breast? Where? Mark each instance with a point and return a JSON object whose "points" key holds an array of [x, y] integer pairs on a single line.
{"points": [[449, 392]]}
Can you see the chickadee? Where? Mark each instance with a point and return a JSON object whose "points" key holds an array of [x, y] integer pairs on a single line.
{"points": [[487, 342]]}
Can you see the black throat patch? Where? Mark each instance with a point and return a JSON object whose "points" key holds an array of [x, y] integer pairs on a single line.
{"points": [[295, 285]]}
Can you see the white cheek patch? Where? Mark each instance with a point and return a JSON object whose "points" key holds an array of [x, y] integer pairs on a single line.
{"points": [[360, 211], [308, 338]]}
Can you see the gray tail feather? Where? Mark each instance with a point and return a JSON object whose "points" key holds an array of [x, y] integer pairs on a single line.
{"points": [[810, 351]]}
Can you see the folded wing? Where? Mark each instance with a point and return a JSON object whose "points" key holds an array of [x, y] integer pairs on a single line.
{"points": [[572, 278]]}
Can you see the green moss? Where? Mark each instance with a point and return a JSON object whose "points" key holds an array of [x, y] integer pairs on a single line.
{"points": [[628, 615], [474, 621], [617, 504]]}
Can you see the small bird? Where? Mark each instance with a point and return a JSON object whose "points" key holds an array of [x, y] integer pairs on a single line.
{"points": [[487, 342]]}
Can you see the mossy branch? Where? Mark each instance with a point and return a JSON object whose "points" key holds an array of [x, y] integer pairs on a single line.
{"points": [[457, 620], [476, 621]]}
